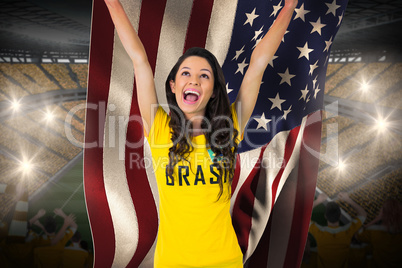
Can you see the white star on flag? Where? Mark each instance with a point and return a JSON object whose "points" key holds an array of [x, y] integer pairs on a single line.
{"points": [[241, 66], [276, 9], [332, 8], [257, 33], [316, 91], [276, 102], [251, 17], [228, 90], [315, 81], [262, 122], [317, 26], [257, 41], [286, 112], [283, 38], [286, 76], [272, 61], [304, 51], [238, 53], [328, 44], [300, 12], [304, 93], [340, 20], [313, 67]]}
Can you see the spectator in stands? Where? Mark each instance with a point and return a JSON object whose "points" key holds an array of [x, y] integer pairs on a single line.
{"points": [[333, 241], [49, 247], [50, 238], [384, 234], [75, 255]]}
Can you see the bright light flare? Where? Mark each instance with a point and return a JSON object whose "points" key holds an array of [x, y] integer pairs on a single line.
{"points": [[364, 87], [341, 165], [15, 105], [26, 166], [49, 116], [381, 124]]}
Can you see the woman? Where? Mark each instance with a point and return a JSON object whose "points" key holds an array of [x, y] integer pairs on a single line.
{"points": [[194, 148]]}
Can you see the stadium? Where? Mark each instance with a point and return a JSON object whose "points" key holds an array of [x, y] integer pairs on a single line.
{"points": [[43, 82]]}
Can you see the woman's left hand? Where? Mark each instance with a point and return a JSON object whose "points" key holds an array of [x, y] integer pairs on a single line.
{"points": [[291, 3]]}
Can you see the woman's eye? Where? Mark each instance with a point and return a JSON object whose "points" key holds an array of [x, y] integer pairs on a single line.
{"points": [[185, 73], [205, 76]]}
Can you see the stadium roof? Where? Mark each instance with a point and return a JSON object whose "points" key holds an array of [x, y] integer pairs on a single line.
{"points": [[37, 26]]}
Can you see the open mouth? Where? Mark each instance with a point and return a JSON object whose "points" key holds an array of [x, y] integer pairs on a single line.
{"points": [[191, 96]]}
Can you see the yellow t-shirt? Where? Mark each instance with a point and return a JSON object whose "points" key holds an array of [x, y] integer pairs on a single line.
{"points": [[195, 229], [333, 244], [386, 246]]}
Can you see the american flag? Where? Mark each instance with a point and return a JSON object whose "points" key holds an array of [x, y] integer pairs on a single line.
{"points": [[278, 158]]}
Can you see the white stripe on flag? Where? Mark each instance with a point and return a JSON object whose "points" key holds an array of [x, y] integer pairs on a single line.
{"points": [[171, 42], [220, 28], [294, 158], [272, 161], [148, 260], [116, 187]]}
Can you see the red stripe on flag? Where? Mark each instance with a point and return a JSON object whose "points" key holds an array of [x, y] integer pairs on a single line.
{"points": [[100, 62], [243, 206], [289, 147], [306, 184], [149, 29], [260, 255], [144, 203], [197, 29]]}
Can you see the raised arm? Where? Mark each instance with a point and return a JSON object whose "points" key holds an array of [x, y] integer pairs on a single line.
{"points": [[146, 94], [69, 221], [260, 58], [359, 210], [320, 199]]}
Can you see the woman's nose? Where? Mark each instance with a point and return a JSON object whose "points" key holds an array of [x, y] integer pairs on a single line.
{"points": [[195, 82]]}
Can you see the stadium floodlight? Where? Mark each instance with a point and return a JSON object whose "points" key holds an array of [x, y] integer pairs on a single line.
{"points": [[365, 87], [26, 166], [15, 105], [341, 165], [381, 124], [49, 116]]}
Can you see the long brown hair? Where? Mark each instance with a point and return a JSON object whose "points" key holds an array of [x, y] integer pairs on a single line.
{"points": [[222, 137]]}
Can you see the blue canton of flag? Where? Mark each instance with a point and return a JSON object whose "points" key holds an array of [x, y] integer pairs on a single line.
{"points": [[293, 84]]}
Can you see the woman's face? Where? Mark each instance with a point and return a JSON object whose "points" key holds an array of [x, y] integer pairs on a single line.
{"points": [[193, 86]]}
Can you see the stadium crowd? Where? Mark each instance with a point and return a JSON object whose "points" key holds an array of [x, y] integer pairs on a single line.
{"points": [[361, 243], [45, 244]]}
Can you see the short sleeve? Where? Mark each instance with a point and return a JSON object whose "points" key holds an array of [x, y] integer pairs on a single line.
{"points": [[160, 116], [160, 128], [357, 223], [314, 230]]}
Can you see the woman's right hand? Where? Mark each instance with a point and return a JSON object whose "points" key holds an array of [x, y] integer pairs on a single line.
{"points": [[111, 2]]}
